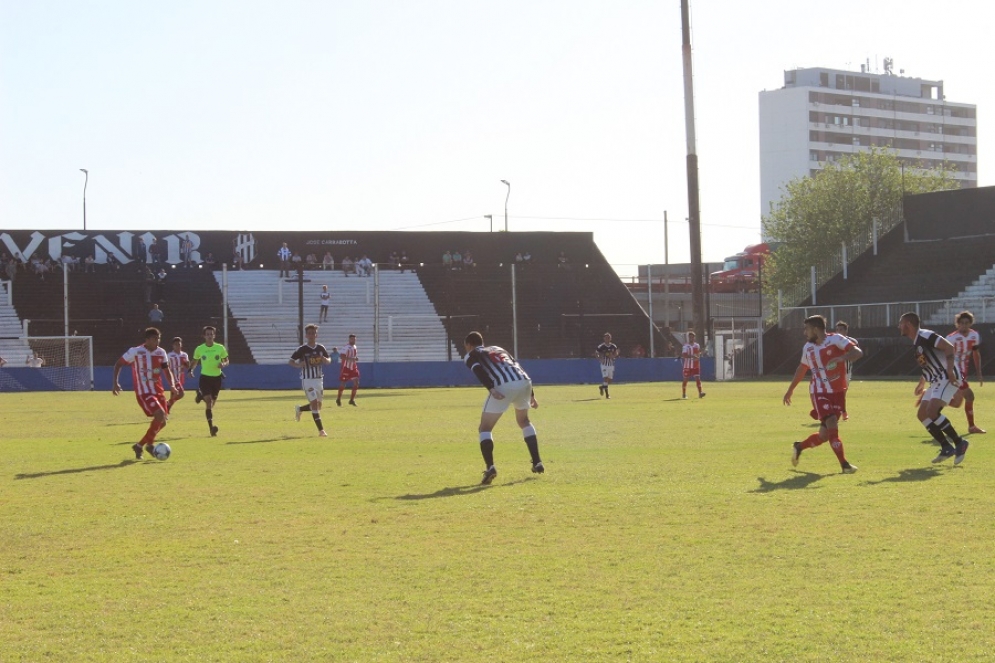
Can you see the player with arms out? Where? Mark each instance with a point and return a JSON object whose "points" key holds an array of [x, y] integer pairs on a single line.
{"points": [[350, 371], [148, 362], [825, 355], [508, 385], [606, 353], [311, 359], [691, 355], [212, 357], [179, 362]]}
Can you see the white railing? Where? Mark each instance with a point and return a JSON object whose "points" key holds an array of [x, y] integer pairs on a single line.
{"points": [[886, 314]]}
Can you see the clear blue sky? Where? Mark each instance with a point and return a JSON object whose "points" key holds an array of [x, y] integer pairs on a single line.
{"points": [[379, 115]]}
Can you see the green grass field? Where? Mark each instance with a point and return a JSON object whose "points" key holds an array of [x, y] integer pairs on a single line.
{"points": [[663, 530]]}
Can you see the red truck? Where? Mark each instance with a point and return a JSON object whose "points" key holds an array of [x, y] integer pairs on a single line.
{"points": [[741, 272]]}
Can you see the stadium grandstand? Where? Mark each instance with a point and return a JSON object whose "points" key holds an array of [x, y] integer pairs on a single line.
{"points": [[409, 296], [939, 261]]}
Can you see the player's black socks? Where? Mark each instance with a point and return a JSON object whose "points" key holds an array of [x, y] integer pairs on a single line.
{"points": [[487, 451], [937, 434], [317, 420], [209, 414], [306, 408], [947, 429], [606, 390], [532, 442]]}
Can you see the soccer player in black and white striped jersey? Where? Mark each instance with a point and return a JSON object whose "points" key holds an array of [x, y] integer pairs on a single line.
{"points": [[607, 353], [507, 384], [936, 358], [311, 358]]}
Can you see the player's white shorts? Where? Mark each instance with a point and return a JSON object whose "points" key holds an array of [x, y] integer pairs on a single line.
{"points": [[314, 388], [608, 372], [941, 389], [517, 393]]}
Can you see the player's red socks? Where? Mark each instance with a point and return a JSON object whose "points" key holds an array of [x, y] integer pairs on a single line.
{"points": [[153, 430], [811, 441], [837, 445], [969, 411]]}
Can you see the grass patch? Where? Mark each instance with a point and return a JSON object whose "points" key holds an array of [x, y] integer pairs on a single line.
{"points": [[663, 530]]}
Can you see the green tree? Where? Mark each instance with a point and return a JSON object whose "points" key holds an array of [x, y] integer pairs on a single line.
{"points": [[817, 214]]}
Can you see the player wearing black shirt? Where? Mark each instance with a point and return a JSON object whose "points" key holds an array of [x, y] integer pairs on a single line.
{"points": [[508, 384], [311, 358], [936, 358], [607, 353]]}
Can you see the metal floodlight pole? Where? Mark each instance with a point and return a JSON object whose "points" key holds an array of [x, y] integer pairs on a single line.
{"points": [[86, 178], [699, 314], [508, 184]]}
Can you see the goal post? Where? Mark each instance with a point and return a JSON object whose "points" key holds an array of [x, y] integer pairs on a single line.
{"points": [[61, 363]]}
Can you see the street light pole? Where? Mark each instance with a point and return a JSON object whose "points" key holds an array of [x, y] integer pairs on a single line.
{"points": [[508, 184], [490, 217], [86, 179]]}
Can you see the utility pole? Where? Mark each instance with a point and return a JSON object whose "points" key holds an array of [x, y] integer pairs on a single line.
{"points": [[699, 315]]}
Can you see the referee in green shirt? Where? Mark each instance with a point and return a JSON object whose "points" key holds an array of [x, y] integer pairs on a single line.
{"points": [[212, 357]]}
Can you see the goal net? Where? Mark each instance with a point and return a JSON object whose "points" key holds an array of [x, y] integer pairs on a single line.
{"points": [[43, 363]]}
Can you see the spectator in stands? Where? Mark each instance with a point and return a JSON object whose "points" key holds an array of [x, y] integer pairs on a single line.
{"points": [[527, 258], [297, 263], [113, 264], [141, 252], [394, 260], [39, 267], [346, 265], [562, 261], [156, 315], [149, 279], [35, 360], [284, 255], [236, 262], [519, 258], [457, 260], [89, 265], [186, 252], [311, 262], [447, 260], [364, 266], [328, 262], [11, 268], [209, 261], [68, 263], [154, 252], [468, 260], [403, 261], [638, 352], [160, 284]]}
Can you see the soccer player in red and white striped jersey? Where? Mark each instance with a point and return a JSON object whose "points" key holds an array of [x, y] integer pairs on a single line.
{"points": [[148, 362], [350, 370], [825, 355], [179, 362], [691, 356], [966, 342]]}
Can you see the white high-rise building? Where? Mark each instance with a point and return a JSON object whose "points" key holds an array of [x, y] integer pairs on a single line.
{"points": [[822, 114]]}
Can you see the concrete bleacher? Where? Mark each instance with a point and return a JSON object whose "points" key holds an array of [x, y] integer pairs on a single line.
{"points": [[12, 348], [266, 308]]}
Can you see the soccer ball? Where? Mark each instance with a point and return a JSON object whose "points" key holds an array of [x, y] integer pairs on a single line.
{"points": [[162, 451]]}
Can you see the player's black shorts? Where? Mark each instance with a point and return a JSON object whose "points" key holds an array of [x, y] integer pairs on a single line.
{"points": [[210, 385]]}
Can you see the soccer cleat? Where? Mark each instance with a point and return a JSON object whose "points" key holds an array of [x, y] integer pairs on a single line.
{"points": [[849, 469], [352, 403], [489, 475], [961, 450], [199, 397], [608, 397], [151, 449], [701, 394], [946, 453], [137, 448], [684, 396], [601, 389], [322, 434], [338, 401], [297, 413], [214, 431], [796, 453], [537, 468], [976, 430]]}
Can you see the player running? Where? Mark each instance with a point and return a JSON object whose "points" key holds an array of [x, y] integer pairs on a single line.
{"points": [[606, 353], [148, 362], [212, 357], [825, 355], [311, 358], [966, 342], [350, 371], [179, 362], [691, 354]]}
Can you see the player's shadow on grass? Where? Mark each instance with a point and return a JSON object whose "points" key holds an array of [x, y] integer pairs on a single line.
{"points": [[275, 439], [457, 491], [800, 480], [38, 475], [912, 474]]}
